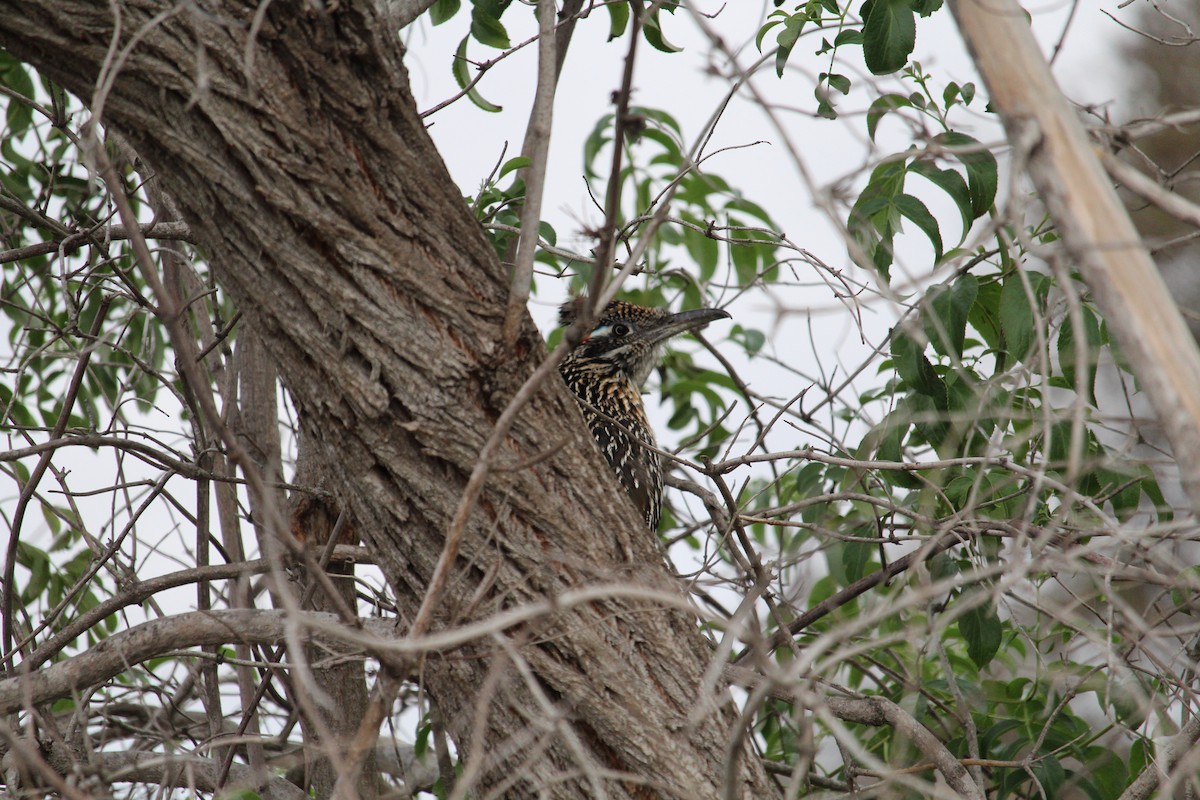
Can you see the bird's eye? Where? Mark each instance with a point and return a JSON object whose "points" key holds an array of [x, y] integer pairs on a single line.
{"points": [[620, 329]]}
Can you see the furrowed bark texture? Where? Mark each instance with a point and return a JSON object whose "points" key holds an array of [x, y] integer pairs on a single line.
{"points": [[301, 165]]}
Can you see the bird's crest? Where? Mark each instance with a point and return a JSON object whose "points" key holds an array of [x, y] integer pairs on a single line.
{"points": [[615, 312]]}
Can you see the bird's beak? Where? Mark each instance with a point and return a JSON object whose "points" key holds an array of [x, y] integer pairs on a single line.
{"points": [[687, 321]]}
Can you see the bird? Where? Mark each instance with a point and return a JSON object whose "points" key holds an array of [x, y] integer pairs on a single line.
{"points": [[606, 371]]}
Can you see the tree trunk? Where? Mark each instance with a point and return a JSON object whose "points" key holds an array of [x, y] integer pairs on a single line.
{"points": [[341, 682], [306, 175]]}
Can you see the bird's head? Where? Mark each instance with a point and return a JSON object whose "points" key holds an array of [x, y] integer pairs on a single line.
{"points": [[628, 337]]}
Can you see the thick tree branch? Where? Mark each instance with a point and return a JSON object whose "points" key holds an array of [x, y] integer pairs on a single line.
{"points": [[115, 654], [1095, 227], [165, 770], [258, 627], [69, 243]]}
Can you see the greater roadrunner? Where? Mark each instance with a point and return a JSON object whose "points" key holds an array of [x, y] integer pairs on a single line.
{"points": [[606, 372]]}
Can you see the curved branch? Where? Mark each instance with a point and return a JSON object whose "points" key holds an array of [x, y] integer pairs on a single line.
{"points": [[117, 653], [175, 770], [258, 627], [134, 595]]}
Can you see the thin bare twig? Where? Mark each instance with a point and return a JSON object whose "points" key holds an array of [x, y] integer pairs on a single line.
{"points": [[35, 477], [537, 150]]}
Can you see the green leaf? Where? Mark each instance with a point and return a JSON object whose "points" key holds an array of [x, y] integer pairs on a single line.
{"points": [[1070, 342], [890, 435], [889, 35], [39, 566], [982, 172], [989, 491], [421, 742], [15, 76], [848, 36], [1109, 774], [916, 211], [1061, 443], [950, 182], [751, 208], [874, 218], [462, 75], [1050, 774], [520, 162], [848, 561], [881, 253], [671, 153], [1140, 754], [751, 340], [793, 26], [661, 117], [982, 630], [971, 425], [594, 143], [1016, 314], [810, 480], [839, 82], [949, 94], [781, 17], [746, 260], [928, 416], [704, 250], [881, 106], [443, 10], [652, 30], [950, 306], [786, 41], [914, 368], [486, 26], [790, 34], [53, 521], [618, 19], [1123, 488]]}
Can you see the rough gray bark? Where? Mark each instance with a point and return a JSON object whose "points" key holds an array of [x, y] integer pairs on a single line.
{"points": [[340, 679], [310, 184]]}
